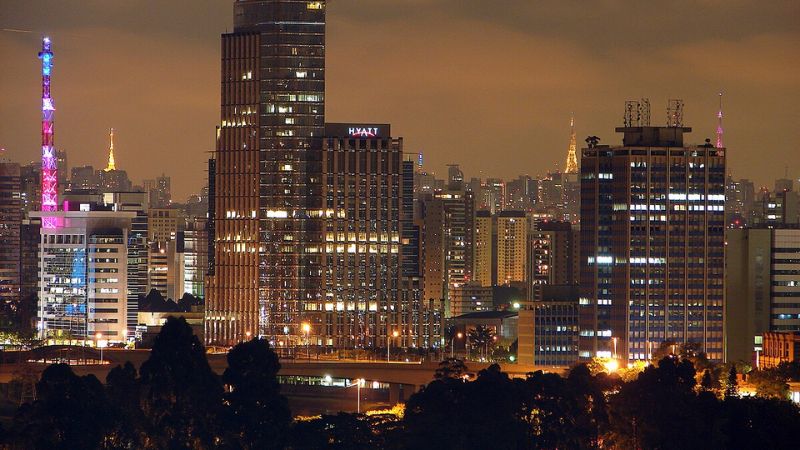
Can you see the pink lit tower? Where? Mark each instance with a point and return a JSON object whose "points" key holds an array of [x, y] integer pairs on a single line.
{"points": [[49, 165], [719, 124]]}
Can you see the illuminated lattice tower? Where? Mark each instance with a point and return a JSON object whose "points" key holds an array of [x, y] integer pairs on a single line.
{"points": [[719, 124], [49, 164], [572, 159]]}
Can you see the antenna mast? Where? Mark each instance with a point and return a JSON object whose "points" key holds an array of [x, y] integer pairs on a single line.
{"points": [[572, 158], [49, 165], [719, 124]]}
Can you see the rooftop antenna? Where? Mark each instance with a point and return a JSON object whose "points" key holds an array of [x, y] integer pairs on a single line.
{"points": [[719, 124], [675, 113]]}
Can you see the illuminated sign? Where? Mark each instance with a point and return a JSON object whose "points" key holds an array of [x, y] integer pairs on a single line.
{"points": [[364, 132], [358, 130]]}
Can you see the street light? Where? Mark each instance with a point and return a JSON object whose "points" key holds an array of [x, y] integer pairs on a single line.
{"points": [[307, 329], [99, 336], [247, 334], [452, 343], [359, 382], [389, 344], [614, 339]]}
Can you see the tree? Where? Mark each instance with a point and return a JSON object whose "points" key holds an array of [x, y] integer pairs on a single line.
{"points": [[770, 383], [122, 389], [707, 382], [660, 409], [482, 337], [181, 396], [732, 385], [71, 412], [450, 368], [257, 413]]}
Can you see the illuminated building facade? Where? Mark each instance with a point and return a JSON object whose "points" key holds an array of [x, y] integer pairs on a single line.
{"points": [[512, 241], [83, 276], [652, 237], [362, 269], [268, 224], [483, 249]]}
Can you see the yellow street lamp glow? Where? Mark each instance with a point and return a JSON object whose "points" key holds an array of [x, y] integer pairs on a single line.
{"points": [[611, 365], [460, 335], [306, 327], [395, 333]]}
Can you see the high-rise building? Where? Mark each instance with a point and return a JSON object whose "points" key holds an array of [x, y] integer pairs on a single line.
{"points": [[138, 248], [447, 238], [31, 186], [739, 202], [10, 243], [554, 255], [163, 224], [83, 276], [483, 245], [195, 254], [512, 245], [763, 287], [652, 237], [268, 175], [84, 178], [361, 285]]}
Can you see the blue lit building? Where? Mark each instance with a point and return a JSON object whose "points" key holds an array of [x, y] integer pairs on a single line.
{"points": [[652, 244]]}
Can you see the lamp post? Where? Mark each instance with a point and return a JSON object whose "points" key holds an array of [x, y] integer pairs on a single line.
{"points": [[389, 344], [247, 334], [99, 336], [614, 339], [452, 343], [358, 383], [307, 329]]}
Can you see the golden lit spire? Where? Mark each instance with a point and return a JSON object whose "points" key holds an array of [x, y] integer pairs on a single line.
{"points": [[572, 158], [111, 154]]}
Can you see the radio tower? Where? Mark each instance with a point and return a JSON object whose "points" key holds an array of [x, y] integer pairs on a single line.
{"points": [[572, 159], [49, 166], [719, 124], [111, 166]]}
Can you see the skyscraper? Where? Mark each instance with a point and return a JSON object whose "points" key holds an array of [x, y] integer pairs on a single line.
{"points": [[10, 242], [268, 174], [652, 237]]}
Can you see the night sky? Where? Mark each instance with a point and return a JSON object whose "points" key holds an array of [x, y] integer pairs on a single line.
{"points": [[487, 84]]}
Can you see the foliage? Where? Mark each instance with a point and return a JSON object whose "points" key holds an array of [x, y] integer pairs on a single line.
{"points": [[177, 402], [257, 414], [769, 383], [71, 412], [732, 385], [451, 368], [482, 338]]}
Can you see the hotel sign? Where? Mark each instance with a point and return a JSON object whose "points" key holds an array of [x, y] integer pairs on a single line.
{"points": [[358, 130]]}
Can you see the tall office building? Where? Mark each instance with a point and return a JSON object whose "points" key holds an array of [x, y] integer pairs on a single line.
{"points": [[31, 185], [762, 289], [84, 178], [512, 246], [83, 276], [138, 248], [652, 237], [268, 176], [483, 244], [10, 243], [554, 256], [361, 304]]}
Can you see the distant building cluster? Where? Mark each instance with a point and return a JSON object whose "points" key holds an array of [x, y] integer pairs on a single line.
{"points": [[333, 236]]}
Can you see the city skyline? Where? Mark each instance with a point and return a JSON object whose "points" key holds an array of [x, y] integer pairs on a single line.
{"points": [[177, 66]]}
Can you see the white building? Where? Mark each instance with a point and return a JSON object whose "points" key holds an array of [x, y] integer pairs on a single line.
{"points": [[83, 276]]}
